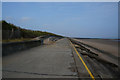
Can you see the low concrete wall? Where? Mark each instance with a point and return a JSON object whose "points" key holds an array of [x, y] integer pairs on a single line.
{"points": [[12, 47]]}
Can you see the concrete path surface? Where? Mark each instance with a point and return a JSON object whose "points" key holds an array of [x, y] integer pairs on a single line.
{"points": [[47, 61]]}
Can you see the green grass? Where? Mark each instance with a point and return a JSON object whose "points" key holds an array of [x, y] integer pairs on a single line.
{"points": [[25, 34]]}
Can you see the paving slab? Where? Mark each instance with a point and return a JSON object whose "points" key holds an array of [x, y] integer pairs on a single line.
{"points": [[47, 61]]}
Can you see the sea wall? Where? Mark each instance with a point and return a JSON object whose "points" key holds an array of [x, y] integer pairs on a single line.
{"points": [[12, 47]]}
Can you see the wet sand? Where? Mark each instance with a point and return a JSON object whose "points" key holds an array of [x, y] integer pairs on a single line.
{"points": [[109, 46], [106, 49]]}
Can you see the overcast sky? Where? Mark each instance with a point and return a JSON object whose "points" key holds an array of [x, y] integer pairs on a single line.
{"points": [[78, 19]]}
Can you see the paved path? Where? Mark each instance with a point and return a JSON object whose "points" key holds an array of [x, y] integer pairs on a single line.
{"points": [[47, 61]]}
